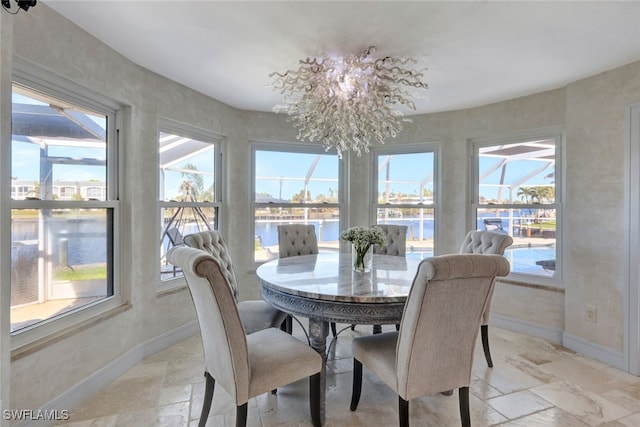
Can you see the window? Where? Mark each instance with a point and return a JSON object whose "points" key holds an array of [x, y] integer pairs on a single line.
{"points": [[92, 192], [405, 188], [299, 185], [516, 192], [189, 186], [62, 242]]}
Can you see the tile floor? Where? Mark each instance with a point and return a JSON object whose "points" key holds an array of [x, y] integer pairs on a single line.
{"points": [[533, 383]]}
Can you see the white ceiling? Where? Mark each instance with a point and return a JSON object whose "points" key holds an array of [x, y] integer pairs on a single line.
{"points": [[476, 52]]}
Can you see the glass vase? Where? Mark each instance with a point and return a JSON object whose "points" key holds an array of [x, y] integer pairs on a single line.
{"points": [[362, 259]]}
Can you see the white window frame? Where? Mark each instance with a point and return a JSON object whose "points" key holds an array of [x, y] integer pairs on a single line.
{"points": [[409, 149], [302, 149], [171, 126], [558, 135], [36, 78]]}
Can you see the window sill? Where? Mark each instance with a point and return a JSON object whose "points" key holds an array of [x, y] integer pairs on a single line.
{"points": [[551, 285], [172, 286], [57, 329]]}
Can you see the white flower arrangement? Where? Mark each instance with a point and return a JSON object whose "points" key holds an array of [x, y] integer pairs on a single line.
{"points": [[362, 238]]}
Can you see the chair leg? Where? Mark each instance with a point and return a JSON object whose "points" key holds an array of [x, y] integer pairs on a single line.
{"points": [[403, 412], [397, 326], [484, 331], [314, 399], [377, 329], [357, 384], [353, 327], [241, 415], [289, 322], [287, 325], [333, 329], [210, 385], [463, 396]]}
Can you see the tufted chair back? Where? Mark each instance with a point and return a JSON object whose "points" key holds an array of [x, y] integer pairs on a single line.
{"points": [[396, 240], [244, 365], [485, 242], [433, 350], [297, 239], [223, 336], [440, 322], [212, 242]]}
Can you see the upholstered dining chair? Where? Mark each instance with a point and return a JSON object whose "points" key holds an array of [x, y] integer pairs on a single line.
{"points": [[395, 240], [491, 243], [255, 314], [395, 237], [296, 240], [433, 350], [245, 365]]}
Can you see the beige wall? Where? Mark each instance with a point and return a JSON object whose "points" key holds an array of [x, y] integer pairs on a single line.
{"points": [[595, 228], [591, 111]]}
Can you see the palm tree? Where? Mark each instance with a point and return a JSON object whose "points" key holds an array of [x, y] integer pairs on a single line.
{"points": [[527, 194]]}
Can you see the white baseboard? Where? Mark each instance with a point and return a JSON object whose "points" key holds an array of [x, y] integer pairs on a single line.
{"points": [[75, 395], [526, 327], [603, 354], [166, 340]]}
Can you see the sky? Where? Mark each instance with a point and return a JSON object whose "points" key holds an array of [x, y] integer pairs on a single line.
{"points": [[280, 175], [26, 155]]}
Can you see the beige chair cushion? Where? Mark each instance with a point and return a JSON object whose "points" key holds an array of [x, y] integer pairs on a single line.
{"points": [[297, 239], [378, 353], [259, 314], [395, 240], [244, 365], [433, 351], [278, 359]]}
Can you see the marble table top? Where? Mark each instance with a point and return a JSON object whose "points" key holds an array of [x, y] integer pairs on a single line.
{"points": [[329, 277]]}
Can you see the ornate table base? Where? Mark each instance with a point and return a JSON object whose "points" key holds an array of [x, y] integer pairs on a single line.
{"points": [[321, 313]]}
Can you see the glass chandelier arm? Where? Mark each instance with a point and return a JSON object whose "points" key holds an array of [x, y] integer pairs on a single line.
{"points": [[346, 103]]}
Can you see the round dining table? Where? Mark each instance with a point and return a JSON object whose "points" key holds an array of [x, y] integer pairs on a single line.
{"points": [[325, 288]]}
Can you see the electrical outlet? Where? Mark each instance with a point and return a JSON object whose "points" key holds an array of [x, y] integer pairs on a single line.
{"points": [[591, 313]]}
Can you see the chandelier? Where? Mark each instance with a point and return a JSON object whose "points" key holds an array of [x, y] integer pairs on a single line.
{"points": [[348, 102]]}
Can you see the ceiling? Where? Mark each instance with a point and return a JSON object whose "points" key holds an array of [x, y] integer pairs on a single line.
{"points": [[475, 52]]}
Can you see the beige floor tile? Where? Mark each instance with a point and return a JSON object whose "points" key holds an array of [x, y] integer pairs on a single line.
{"points": [[587, 374], [483, 390], [108, 421], [629, 421], [120, 396], [553, 417], [623, 399], [175, 394], [175, 415], [588, 406], [518, 404], [506, 377]]}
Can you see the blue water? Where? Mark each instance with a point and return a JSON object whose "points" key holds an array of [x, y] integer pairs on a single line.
{"points": [[80, 241], [86, 241], [523, 260], [328, 230]]}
